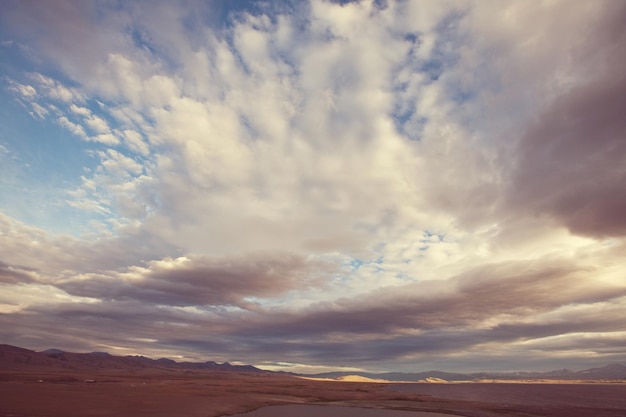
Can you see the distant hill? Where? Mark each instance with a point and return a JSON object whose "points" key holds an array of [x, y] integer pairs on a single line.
{"points": [[610, 372], [16, 358], [613, 371]]}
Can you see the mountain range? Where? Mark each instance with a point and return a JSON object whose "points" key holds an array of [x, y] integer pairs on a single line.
{"points": [[13, 358], [609, 372], [16, 358]]}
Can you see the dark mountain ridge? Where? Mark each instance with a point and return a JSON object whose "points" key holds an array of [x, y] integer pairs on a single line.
{"points": [[14, 358]]}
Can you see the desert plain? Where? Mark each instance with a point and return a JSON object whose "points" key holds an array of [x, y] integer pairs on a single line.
{"points": [[163, 393], [54, 383]]}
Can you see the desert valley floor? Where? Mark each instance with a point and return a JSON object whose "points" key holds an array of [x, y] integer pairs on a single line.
{"points": [[62, 393], [54, 383]]}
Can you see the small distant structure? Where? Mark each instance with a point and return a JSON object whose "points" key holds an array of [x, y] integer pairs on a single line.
{"points": [[90, 381]]}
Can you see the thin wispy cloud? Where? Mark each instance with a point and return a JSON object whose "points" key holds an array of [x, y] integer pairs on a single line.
{"points": [[377, 185]]}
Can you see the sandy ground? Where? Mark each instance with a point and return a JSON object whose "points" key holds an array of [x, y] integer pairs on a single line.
{"points": [[210, 394], [308, 410]]}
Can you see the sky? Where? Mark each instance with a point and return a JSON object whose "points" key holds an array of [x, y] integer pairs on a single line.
{"points": [[316, 185]]}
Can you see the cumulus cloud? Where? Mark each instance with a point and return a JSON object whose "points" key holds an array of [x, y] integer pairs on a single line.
{"points": [[26, 91], [75, 128]]}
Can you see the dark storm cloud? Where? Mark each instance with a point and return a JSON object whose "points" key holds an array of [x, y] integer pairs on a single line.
{"points": [[205, 281], [325, 351], [430, 318], [515, 288], [607, 317], [427, 318], [571, 164], [331, 349], [439, 317]]}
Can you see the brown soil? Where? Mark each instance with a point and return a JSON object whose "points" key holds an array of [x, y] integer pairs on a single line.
{"points": [[208, 394]]}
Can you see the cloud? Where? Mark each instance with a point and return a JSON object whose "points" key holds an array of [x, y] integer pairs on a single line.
{"points": [[204, 281], [569, 162], [329, 183], [136, 142], [97, 124], [26, 91], [466, 301], [430, 319], [14, 274], [56, 90], [76, 129]]}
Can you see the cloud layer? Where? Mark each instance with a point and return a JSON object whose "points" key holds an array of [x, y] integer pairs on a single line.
{"points": [[382, 185]]}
